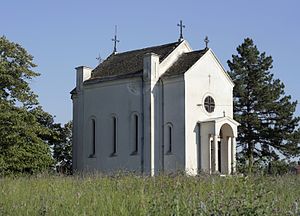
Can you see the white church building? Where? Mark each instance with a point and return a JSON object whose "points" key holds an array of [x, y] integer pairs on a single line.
{"points": [[164, 108]]}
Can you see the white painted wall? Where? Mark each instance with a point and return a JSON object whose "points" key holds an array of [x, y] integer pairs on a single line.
{"points": [[174, 110], [101, 101], [198, 86]]}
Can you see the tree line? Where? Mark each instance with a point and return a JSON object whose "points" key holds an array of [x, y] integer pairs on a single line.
{"points": [[31, 142]]}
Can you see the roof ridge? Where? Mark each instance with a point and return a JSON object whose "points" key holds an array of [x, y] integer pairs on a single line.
{"points": [[131, 61], [196, 51], [150, 47]]}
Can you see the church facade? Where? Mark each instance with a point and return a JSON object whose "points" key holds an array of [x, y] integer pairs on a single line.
{"points": [[159, 109]]}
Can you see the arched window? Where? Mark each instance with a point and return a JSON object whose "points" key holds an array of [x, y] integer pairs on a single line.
{"points": [[169, 138], [114, 136], [135, 134], [93, 138]]}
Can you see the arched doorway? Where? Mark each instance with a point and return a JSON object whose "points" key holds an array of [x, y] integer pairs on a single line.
{"points": [[224, 149]]}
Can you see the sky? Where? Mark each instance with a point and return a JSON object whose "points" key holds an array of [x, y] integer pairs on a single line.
{"points": [[62, 35]]}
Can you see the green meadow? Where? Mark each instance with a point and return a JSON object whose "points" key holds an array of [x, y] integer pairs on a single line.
{"points": [[161, 195]]}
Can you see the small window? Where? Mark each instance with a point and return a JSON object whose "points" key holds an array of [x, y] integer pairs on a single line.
{"points": [[209, 104], [169, 140], [114, 136], [135, 131], [93, 138]]}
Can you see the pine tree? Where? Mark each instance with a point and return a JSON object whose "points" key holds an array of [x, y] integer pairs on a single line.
{"points": [[21, 147], [268, 127]]}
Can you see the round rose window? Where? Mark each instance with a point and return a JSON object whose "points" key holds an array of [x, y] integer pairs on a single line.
{"points": [[209, 104]]}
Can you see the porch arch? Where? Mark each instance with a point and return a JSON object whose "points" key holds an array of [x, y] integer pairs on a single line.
{"points": [[224, 149]]}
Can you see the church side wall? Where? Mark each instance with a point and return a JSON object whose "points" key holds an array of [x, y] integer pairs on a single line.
{"points": [[108, 104], [78, 107], [174, 118], [75, 134], [205, 78]]}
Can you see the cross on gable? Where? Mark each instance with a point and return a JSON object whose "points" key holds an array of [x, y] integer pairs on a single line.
{"points": [[206, 42], [181, 26], [115, 40]]}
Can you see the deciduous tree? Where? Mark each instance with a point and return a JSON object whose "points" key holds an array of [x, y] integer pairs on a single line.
{"points": [[21, 147]]}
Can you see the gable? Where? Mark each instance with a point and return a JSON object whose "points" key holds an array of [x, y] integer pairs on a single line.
{"points": [[210, 58], [208, 78], [217, 61]]}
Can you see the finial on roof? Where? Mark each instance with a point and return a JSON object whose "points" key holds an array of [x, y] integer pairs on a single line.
{"points": [[99, 59], [181, 26], [206, 42], [115, 40]]}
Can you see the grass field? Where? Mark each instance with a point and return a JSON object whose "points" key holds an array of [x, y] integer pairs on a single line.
{"points": [[162, 195]]}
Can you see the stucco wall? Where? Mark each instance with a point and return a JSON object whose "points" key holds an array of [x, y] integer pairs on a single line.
{"points": [[102, 101], [206, 77], [174, 115]]}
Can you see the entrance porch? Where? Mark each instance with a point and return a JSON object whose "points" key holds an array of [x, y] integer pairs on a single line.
{"points": [[220, 145]]}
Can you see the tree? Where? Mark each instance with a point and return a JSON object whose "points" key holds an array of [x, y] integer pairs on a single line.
{"points": [[21, 147], [268, 128], [59, 138], [15, 72], [62, 150]]}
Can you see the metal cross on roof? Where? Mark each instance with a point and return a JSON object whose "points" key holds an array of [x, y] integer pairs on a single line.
{"points": [[115, 40], [206, 42], [99, 59], [181, 27]]}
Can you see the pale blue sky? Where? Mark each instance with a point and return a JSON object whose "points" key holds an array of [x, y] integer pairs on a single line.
{"points": [[64, 34]]}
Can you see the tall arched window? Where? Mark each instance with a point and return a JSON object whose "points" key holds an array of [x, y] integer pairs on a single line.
{"points": [[114, 136], [93, 138], [169, 138], [135, 133]]}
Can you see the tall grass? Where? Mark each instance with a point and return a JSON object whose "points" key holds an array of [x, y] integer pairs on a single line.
{"points": [[161, 195]]}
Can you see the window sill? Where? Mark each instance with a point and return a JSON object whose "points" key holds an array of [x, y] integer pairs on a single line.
{"points": [[92, 156], [134, 153], [113, 155]]}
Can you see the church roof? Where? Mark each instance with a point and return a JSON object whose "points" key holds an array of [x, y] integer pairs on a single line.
{"points": [[131, 62], [184, 62]]}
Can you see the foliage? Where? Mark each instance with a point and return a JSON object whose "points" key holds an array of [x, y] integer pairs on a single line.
{"points": [[268, 127], [280, 167], [274, 167], [15, 72], [21, 148], [59, 139], [161, 195], [62, 150]]}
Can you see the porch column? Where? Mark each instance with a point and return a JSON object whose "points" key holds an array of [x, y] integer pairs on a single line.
{"points": [[229, 155], [215, 152], [233, 155], [210, 159]]}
